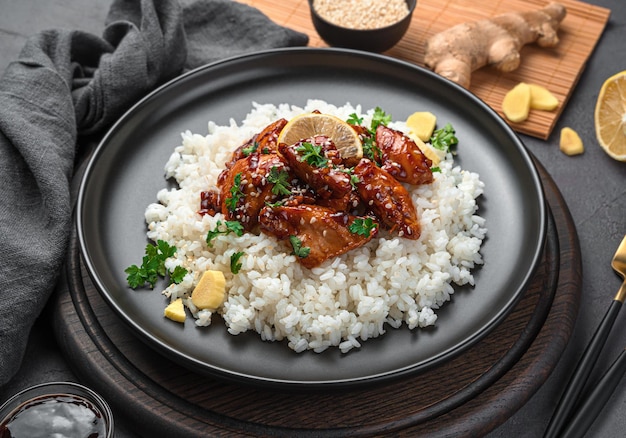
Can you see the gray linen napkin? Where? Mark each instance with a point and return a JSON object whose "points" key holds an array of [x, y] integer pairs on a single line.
{"points": [[69, 83]]}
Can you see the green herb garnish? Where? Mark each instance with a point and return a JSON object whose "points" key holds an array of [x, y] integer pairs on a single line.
{"points": [[354, 119], [228, 227], [370, 148], [235, 194], [298, 249], [435, 169], [235, 264], [278, 203], [362, 227], [354, 180], [379, 118], [280, 179], [153, 266], [312, 154], [249, 150], [443, 138], [178, 274]]}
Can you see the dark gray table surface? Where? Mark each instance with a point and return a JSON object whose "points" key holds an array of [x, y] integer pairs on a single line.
{"points": [[593, 185]]}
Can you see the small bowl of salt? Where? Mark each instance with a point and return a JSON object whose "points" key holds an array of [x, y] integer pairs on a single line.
{"points": [[370, 25]]}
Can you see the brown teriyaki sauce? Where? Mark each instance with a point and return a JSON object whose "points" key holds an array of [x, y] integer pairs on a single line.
{"points": [[65, 415]]}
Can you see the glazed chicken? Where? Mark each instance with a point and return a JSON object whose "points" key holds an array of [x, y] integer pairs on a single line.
{"points": [[307, 194], [402, 158], [264, 142], [245, 188], [387, 198], [324, 231], [323, 176]]}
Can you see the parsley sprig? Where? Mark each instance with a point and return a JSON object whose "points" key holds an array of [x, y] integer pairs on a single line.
{"points": [[354, 180], [153, 266], [249, 150], [354, 119], [312, 154], [235, 264], [444, 138], [280, 179], [362, 227], [379, 117], [224, 228], [235, 194], [298, 249]]}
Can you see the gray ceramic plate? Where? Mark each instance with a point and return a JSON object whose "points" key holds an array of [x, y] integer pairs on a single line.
{"points": [[126, 172]]}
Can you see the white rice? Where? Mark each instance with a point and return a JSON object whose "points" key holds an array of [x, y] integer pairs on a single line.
{"points": [[389, 282]]}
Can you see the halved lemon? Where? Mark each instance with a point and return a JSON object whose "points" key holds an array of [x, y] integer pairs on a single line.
{"points": [[610, 116], [341, 133]]}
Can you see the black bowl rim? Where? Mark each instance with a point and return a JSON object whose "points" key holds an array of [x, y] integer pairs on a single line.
{"points": [[57, 387]]}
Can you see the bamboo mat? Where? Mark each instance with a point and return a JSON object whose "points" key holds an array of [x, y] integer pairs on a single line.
{"points": [[558, 69]]}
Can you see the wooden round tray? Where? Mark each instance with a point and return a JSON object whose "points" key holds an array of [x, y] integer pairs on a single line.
{"points": [[469, 395]]}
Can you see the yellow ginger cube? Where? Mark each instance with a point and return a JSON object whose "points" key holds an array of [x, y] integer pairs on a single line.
{"points": [[175, 311], [542, 99], [210, 291], [570, 142]]}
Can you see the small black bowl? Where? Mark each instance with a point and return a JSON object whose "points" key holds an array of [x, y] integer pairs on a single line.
{"points": [[371, 40]]}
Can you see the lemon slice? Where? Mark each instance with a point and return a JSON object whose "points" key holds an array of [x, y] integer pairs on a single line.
{"points": [[610, 116], [341, 133]]}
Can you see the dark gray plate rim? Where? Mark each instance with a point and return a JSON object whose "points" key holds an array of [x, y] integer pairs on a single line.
{"points": [[126, 171]]}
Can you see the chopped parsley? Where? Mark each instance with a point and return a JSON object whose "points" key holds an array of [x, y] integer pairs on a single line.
{"points": [[379, 118], [435, 169], [298, 249], [235, 194], [249, 150], [224, 228], [312, 154], [275, 204], [280, 179], [370, 148], [235, 264], [153, 266], [354, 119], [354, 180], [362, 227], [443, 138]]}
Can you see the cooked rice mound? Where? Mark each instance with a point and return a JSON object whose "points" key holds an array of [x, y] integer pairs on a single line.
{"points": [[348, 299]]}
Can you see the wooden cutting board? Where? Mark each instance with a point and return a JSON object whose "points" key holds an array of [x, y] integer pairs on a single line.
{"points": [[557, 69], [469, 395]]}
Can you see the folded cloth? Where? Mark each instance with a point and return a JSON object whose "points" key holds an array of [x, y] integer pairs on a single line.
{"points": [[69, 83]]}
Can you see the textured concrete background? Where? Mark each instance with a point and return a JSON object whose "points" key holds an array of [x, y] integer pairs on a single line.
{"points": [[593, 185]]}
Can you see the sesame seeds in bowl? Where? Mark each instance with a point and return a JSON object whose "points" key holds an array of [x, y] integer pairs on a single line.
{"points": [[368, 25]]}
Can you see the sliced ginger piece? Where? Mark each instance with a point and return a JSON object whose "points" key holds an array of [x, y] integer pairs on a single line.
{"points": [[434, 155], [570, 142], [175, 311], [422, 124], [210, 291], [516, 103], [542, 99]]}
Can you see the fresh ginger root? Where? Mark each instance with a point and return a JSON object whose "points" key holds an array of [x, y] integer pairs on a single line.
{"points": [[457, 52]]}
